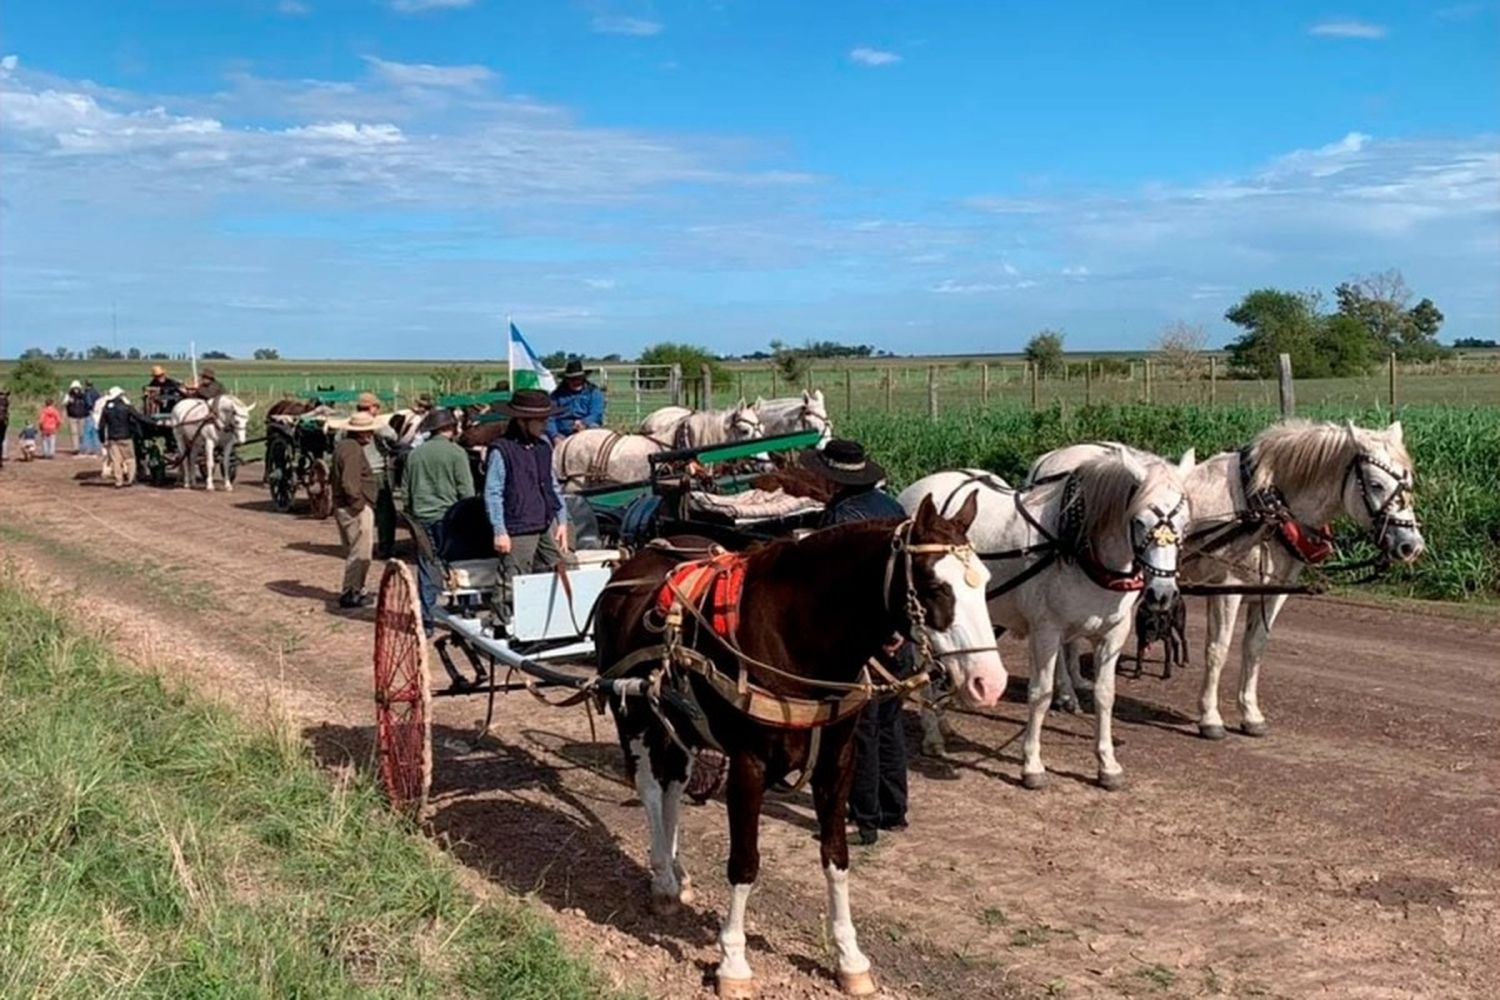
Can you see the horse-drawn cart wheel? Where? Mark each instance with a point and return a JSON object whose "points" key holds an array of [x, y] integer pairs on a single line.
{"points": [[403, 701], [278, 472], [319, 489]]}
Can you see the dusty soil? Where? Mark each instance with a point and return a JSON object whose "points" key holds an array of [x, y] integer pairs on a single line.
{"points": [[1352, 853]]}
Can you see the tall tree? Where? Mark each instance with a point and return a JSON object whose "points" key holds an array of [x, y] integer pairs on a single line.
{"points": [[1045, 351], [1276, 322]]}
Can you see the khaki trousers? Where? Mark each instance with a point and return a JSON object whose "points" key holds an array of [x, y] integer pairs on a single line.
{"points": [[121, 461], [357, 532]]}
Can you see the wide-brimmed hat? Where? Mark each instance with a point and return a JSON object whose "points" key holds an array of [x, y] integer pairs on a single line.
{"points": [[529, 403], [115, 392], [367, 399], [425, 401], [209, 373], [157, 370], [75, 384], [438, 419], [574, 369], [844, 462]]}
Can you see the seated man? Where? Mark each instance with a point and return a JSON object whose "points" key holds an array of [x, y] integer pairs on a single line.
{"points": [[209, 387], [522, 495], [580, 403], [162, 392]]}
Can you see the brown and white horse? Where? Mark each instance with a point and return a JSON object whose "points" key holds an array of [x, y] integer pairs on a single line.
{"points": [[812, 613]]}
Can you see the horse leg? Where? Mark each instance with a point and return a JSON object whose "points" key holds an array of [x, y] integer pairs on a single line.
{"points": [[185, 455], [1070, 681], [659, 778], [1260, 616], [1222, 611], [1106, 654], [226, 457], [208, 463], [1046, 647], [832, 777], [747, 788]]}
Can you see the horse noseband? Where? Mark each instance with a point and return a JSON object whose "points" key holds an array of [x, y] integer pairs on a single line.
{"points": [[1382, 517]]}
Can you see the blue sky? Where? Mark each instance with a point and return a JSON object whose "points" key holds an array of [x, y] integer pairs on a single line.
{"points": [[390, 178]]}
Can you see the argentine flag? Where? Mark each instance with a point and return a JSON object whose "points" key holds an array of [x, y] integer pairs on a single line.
{"points": [[526, 370]]}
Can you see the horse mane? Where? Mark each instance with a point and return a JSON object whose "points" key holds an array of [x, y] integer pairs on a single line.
{"points": [[1113, 491], [1296, 455]]}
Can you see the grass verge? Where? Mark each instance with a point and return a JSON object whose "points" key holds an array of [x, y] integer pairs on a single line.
{"points": [[153, 845]]}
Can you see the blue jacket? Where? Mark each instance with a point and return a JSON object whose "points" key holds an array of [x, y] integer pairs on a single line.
{"points": [[587, 404], [861, 505]]}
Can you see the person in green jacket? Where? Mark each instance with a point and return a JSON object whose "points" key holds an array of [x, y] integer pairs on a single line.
{"points": [[437, 477]]}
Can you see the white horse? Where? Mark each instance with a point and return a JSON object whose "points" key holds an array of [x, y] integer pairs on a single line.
{"points": [[808, 412], [598, 455], [200, 426], [1298, 475], [740, 422], [1070, 557]]}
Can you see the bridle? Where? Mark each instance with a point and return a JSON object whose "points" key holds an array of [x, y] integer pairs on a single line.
{"points": [[812, 420], [748, 423], [1067, 544], [902, 551], [1392, 512], [1163, 534]]}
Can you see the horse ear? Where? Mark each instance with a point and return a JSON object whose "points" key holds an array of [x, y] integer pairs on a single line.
{"points": [[926, 511], [249, 408], [1188, 460], [966, 514], [760, 401], [806, 396], [1394, 432], [741, 404]]}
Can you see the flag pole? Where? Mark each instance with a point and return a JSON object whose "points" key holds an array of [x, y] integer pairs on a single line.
{"points": [[510, 355], [193, 352]]}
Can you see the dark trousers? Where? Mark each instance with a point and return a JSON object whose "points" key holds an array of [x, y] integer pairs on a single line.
{"points": [[429, 573], [529, 553], [878, 797], [4, 426], [385, 517]]}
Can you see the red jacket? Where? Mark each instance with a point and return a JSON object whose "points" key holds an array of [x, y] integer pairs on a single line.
{"points": [[49, 420]]}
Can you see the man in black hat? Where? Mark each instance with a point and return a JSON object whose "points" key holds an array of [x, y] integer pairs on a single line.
{"points": [[580, 402], [521, 492], [877, 800]]}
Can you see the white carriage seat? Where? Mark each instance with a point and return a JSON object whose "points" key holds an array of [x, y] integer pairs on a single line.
{"points": [[753, 505]]}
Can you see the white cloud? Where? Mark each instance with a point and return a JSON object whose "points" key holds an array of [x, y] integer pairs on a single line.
{"points": [[866, 56], [293, 8], [637, 27], [349, 132], [427, 75], [418, 6], [950, 286], [1075, 271], [1348, 28], [601, 284]]}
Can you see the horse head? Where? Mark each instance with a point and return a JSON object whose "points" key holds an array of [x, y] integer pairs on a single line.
{"points": [[234, 416], [1377, 491], [814, 416], [1135, 513], [742, 422], [946, 581]]}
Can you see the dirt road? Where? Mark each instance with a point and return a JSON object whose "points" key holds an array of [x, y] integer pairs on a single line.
{"points": [[1352, 853]]}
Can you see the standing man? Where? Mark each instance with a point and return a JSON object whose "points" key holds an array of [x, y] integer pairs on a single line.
{"points": [[380, 452], [580, 402], [4, 422], [437, 477], [877, 800], [521, 493], [90, 427], [48, 421], [77, 409], [117, 426], [354, 498]]}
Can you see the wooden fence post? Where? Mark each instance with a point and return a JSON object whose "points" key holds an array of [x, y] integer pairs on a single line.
{"points": [[1284, 385], [984, 385], [674, 383], [1213, 378], [773, 382], [1088, 383], [707, 391], [932, 402], [890, 385], [1391, 381], [742, 384], [1032, 371], [848, 392], [1146, 369]]}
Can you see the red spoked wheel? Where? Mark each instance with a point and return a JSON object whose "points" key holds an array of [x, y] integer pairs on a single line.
{"points": [[403, 700], [319, 489]]}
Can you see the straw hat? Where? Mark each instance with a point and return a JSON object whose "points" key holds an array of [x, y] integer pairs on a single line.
{"points": [[361, 422], [367, 399]]}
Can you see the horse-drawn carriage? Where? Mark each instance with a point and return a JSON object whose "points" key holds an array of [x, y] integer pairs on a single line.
{"points": [[299, 449]]}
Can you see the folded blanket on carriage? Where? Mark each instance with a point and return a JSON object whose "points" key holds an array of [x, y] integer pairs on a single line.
{"points": [[752, 505]]}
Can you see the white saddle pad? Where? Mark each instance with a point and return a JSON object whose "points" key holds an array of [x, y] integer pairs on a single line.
{"points": [[753, 505]]}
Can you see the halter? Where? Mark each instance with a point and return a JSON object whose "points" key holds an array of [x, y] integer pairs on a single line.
{"points": [[811, 420], [748, 422], [902, 551]]}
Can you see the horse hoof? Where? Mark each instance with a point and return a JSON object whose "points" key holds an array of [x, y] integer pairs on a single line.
{"points": [[687, 896], [934, 748], [664, 906], [1254, 728], [1069, 705], [1211, 732], [857, 984], [734, 989], [1033, 780], [1111, 781]]}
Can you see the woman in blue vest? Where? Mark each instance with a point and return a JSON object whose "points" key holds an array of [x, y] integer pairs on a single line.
{"points": [[521, 493]]}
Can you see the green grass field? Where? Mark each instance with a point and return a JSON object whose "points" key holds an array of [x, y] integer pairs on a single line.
{"points": [[153, 846]]}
